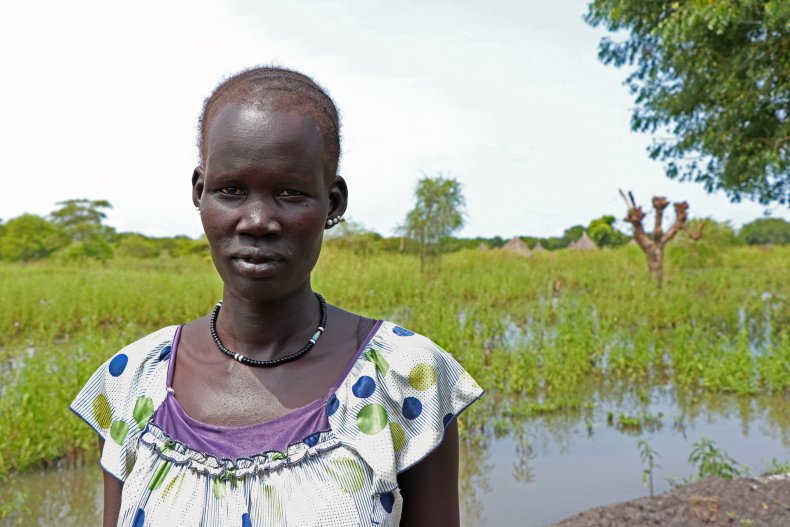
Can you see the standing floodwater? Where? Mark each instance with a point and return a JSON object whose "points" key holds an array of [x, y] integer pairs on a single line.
{"points": [[536, 471], [580, 356]]}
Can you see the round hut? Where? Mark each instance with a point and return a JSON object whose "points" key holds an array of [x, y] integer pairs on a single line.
{"points": [[515, 245], [583, 244]]}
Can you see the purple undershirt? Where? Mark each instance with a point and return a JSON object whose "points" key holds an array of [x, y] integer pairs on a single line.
{"points": [[230, 442]]}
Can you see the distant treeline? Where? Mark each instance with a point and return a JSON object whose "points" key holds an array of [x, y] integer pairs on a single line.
{"points": [[602, 231], [76, 230]]}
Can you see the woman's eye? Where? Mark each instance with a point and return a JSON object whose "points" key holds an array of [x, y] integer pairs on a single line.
{"points": [[232, 191], [290, 193]]}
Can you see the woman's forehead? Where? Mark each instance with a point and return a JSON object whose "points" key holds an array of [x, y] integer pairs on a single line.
{"points": [[248, 130]]}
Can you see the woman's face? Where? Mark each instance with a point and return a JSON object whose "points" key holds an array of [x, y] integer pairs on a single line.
{"points": [[264, 200]]}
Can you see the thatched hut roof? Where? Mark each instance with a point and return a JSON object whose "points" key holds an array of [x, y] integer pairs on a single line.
{"points": [[515, 245], [583, 244], [482, 247], [538, 248]]}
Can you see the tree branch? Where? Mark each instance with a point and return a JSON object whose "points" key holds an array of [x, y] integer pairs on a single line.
{"points": [[659, 203], [694, 235], [681, 214], [635, 217]]}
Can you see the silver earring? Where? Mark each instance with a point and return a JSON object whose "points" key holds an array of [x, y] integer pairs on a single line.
{"points": [[331, 222], [197, 209]]}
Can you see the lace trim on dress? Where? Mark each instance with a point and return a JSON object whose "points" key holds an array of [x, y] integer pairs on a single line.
{"points": [[178, 453]]}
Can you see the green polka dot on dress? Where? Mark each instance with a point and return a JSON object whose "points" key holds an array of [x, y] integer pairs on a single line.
{"points": [[422, 377], [101, 411], [372, 418], [398, 436], [348, 474]]}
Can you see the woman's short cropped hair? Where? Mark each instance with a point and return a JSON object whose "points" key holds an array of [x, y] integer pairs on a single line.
{"points": [[278, 89]]}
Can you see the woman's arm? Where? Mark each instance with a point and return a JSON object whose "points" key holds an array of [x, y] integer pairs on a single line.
{"points": [[430, 488], [112, 496]]}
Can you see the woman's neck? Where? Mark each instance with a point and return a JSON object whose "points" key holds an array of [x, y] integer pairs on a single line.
{"points": [[267, 330]]}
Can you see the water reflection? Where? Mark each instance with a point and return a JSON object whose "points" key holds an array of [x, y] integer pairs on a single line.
{"points": [[535, 471], [475, 465], [545, 468], [70, 496]]}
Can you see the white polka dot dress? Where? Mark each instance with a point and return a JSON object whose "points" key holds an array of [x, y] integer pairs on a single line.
{"points": [[338, 466]]}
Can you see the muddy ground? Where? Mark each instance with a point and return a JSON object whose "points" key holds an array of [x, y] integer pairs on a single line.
{"points": [[746, 502]]}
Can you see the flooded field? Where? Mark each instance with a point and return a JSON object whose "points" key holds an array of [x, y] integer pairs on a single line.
{"points": [[554, 466], [581, 357], [534, 473]]}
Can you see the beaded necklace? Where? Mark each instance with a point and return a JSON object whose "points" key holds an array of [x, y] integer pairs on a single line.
{"points": [[212, 325]]}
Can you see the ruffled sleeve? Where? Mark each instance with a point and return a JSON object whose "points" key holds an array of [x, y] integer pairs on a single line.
{"points": [[397, 400], [120, 397]]}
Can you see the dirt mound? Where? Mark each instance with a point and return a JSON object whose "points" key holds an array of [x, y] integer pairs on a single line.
{"points": [[755, 502]]}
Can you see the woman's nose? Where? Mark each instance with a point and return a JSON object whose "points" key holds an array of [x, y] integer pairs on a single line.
{"points": [[258, 218]]}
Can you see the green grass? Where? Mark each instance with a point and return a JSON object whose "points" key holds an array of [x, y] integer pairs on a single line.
{"points": [[538, 328]]}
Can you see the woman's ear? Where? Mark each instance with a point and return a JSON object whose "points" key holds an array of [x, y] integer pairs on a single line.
{"points": [[198, 176], [338, 197]]}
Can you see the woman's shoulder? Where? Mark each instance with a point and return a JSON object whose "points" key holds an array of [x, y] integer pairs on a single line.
{"points": [[156, 340], [399, 397], [137, 370], [133, 362], [398, 333], [408, 362], [156, 346], [404, 344], [121, 395]]}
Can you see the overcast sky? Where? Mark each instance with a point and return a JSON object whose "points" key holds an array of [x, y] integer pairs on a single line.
{"points": [[100, 100]]}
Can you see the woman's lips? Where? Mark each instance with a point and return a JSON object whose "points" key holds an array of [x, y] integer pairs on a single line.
{"points": [[256, 267]]}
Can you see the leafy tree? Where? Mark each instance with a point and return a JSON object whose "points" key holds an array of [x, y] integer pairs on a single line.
{"points": [[765, 230], [556, 242], [173, 246], [355, 237], [716, 75], [167, 244], [81, 220], [185, 246], [530, 241], [718, 233], [138, 246], [571, 234], [29, 237], [692, 252], [437, 213], [602, 232], [451, 244]]}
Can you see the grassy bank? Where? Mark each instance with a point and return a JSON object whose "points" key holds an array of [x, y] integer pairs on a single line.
{"points": [[538, 327]]}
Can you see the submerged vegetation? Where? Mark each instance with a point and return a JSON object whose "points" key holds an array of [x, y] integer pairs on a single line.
{"points": [[533, 331]]}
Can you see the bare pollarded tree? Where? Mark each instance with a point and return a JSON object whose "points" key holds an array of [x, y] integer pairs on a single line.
{"points": [[653, 245]]}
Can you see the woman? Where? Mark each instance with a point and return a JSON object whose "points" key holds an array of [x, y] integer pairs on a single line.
{"points": [[276, 408]]}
